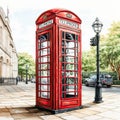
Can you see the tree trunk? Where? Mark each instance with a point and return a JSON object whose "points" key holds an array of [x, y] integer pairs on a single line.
{"points": [[21, 76], [118, 73]]}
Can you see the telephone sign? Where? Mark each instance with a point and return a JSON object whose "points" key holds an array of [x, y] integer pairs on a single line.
{"points": [[49, 22], [69, 23]]}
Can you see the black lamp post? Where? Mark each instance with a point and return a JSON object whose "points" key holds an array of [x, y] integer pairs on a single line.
{"points": [[26, 74], [97, 27]]}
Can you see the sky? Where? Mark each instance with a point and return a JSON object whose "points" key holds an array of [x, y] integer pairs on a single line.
{"points": [[23, 14]]}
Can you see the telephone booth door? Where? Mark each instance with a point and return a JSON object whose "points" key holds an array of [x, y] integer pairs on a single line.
{"points": [[69, 71], [44, 69]]}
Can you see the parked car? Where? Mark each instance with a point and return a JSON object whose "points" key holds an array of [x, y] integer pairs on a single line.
{"points": [[105, 79]]}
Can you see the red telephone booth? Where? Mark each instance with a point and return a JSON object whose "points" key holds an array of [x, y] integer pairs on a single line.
{"points": [[58, 61]]}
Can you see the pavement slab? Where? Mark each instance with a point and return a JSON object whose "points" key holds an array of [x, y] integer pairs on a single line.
{"points": [[17, 102]]}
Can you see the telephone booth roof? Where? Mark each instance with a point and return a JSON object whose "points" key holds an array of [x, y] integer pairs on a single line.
{"points": [[63, 13]]}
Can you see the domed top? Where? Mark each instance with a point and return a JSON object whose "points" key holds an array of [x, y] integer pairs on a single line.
{"points": [[63, 13]]}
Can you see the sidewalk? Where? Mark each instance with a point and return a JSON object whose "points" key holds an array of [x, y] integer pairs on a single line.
{"points": [[18, 103], [116, 86]]}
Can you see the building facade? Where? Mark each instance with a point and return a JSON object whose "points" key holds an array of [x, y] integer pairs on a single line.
{"points": [[8, 53]]}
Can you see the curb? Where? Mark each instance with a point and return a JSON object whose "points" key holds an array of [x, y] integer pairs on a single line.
{"points": [[116, 86]]}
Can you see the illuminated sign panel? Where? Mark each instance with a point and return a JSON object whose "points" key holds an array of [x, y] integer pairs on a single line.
{"points": [[68, 23], [49, 22]]}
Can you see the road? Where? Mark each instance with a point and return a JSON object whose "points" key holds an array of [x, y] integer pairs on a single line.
{"points": [[88, 94]]}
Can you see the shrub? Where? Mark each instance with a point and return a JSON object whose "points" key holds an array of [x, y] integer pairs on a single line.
{"points": [[116, 82]]}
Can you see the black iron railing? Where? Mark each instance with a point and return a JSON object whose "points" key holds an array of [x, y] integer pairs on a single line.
{"points": [[8, 81]]}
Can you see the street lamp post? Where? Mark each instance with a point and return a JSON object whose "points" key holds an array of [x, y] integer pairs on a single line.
{"points": [[26, 74], [97, 27]]}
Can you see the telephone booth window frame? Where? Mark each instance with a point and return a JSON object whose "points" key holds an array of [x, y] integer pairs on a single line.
{"points": [[69, 63], [44, 65]]}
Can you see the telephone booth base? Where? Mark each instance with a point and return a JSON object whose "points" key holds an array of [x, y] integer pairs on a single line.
{"points": [[60, 110]]}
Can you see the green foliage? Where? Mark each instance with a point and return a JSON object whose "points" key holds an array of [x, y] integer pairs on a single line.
{"points": [[23, 60], [114, 75], [116, 82], [88, 61], [109, 53]]}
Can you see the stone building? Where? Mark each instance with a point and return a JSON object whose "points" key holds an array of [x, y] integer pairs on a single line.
{"points": [[8, 54]]}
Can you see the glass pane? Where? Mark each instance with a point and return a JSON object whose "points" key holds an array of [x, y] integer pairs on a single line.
{"points": [[45, 73], [76, 80], [63, 67], [70, 88], [69, 59], [76, 52], [70, 44], [44, 44], [64, 88], [70, 36], [63, 43], [45, 95], [45, 88], [43, 52], [76, 37], [76, 67], [71, 94], [76, 74], [70, 67], [45, 80], [63, 81], [70, 74], [76, 60], [44, 66], [48, 50], [70, 52], [63, 58], [45, 59], [43, 37], [63, 73], [76, 45], [63, 51], [70, 80]]}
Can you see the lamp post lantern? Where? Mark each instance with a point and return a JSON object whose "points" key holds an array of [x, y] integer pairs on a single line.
{"points": [[97, 27], [26, 74]]}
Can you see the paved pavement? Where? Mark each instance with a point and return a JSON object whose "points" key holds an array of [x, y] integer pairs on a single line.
{"points": [[18, 103]]}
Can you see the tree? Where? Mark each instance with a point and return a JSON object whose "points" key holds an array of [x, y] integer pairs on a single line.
{"points": [[110, 52], [23, 60], [89, 61]]}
